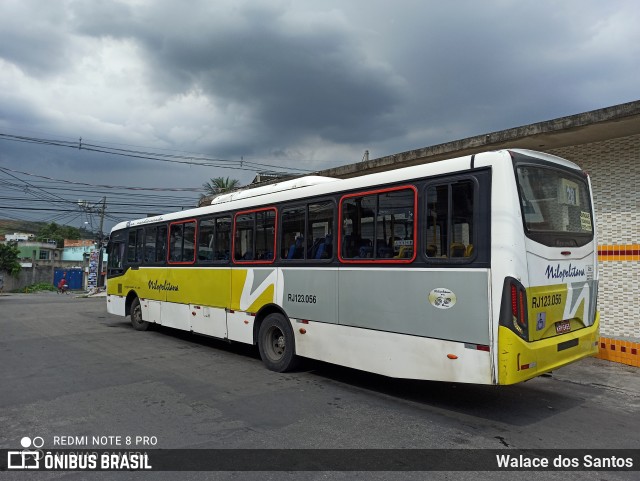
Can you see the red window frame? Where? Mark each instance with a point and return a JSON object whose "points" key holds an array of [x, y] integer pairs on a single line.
{"points": [[275, 237], [195, 239], [385, 260]]}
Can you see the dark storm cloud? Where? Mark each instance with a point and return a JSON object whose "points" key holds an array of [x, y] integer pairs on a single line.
{"points": [[32, 39], [295, 77], [473, 67]]}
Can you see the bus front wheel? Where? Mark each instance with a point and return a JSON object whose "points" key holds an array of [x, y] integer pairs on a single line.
{"points": [[276, 344], [136, 316]]}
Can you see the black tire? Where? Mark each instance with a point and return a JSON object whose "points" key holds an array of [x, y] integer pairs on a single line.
{"points": [[276, 344], [136, 316]]}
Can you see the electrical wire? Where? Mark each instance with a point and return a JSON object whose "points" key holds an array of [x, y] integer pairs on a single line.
{"points": [[45, 189], [197, 160]]}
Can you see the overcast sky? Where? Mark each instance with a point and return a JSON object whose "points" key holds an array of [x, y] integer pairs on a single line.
{"points": [[293, 84]]}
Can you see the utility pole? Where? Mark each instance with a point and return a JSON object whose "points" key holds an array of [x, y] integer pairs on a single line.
{"points": [[101, 242], [104, 205], [100, 255]]}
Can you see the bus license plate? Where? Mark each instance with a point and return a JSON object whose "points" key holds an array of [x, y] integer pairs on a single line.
{"points": [[563, 327]]}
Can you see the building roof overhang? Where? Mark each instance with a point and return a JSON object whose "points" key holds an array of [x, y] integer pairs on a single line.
{"points": [[597, 125]]}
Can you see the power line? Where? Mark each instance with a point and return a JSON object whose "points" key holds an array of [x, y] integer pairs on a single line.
{"points": [[172, 206], [38, 189], [43, 188], [34, 209], [123, 187], [91, 191], [88, 192], [198, 160]]}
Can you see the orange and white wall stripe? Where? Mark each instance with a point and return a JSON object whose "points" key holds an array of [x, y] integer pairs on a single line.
{"points": [[626, 252]]}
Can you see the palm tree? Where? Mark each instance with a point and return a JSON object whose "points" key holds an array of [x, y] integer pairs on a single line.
{"points": [[220, 185]]}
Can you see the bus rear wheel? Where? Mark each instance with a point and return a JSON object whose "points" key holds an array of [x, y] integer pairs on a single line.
{"points": [[136, 316], [277, 344]]}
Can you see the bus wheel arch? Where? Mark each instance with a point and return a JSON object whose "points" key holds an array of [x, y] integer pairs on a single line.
{"points": [[133, 308], [129, 301], [260, 317], [275, 338]]}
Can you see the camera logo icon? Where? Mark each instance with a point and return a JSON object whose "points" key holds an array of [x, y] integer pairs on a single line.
{"points": [[27, 458]]}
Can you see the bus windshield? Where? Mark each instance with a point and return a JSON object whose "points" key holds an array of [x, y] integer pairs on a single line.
{"points": [[556, 206]]}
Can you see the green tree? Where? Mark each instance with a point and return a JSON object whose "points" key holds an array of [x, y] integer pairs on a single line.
{"points": [[9, 253], [58, 233], [220, 185]]}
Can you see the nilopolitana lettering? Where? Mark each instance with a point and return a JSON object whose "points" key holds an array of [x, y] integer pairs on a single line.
{"points": [[560, 273], [165, 286]]}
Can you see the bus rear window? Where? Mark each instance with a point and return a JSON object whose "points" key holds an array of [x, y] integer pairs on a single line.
{"points": [[556, 206]]}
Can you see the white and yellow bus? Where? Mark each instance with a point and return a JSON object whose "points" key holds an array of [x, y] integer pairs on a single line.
{"points": [[477, 269]]}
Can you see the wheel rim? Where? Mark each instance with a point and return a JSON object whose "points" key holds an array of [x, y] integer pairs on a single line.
{"points": [[275, 345], [137, 314]]}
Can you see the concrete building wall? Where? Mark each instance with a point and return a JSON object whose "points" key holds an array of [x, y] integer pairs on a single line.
{"points": [[26, 248], [28, 276], [614, 166]]}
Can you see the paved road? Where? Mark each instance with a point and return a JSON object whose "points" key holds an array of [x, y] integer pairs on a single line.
{"points": [[67, 368]]}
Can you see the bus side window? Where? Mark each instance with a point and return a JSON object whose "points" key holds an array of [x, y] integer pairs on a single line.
{"points": [[153, 249], [265, 235], [244, 237], [182, 241], [292, 239], [307, 231], [189, 246], [135, 246], [320, 230], [116, 256], [358, 219], [379, 225], [149, 244], [450, 214], [161, 244], [254, 236], [175, 243], [206, 240], [223, 239]]}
